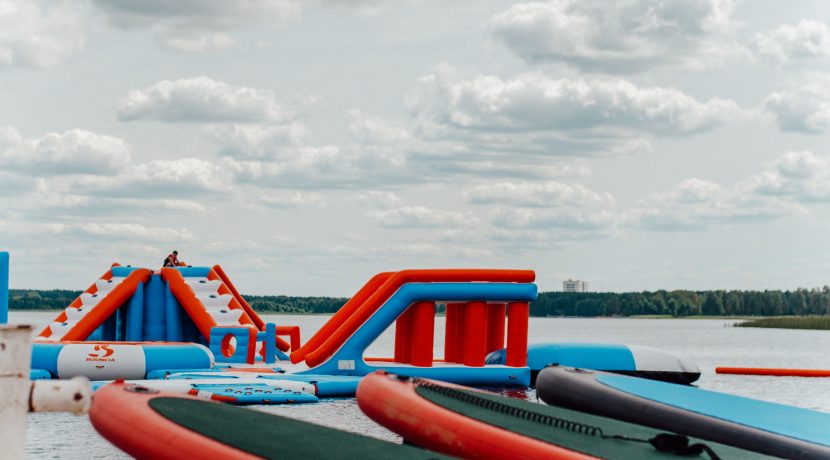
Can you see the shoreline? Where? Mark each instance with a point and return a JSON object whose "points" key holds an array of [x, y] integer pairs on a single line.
{"points": [[696, 317]]}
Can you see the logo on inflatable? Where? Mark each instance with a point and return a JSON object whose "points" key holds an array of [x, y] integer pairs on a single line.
{"points": [[101, 355]]}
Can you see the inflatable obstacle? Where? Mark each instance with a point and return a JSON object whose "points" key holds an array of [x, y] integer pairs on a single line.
{"points": [[485, 310], [468, 423], [768, 428], [134, 321], [148, 423]]}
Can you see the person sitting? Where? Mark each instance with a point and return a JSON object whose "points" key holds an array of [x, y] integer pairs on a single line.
{"points": [[172, 260]]}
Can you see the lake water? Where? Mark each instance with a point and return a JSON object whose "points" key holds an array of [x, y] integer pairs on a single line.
{"points": [[709, 343]]}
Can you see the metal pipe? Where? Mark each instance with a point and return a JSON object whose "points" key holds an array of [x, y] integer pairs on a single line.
{"points": [[15, 355]]}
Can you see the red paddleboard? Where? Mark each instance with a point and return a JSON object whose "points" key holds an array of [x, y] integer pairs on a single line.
{"points": [[152, 424], [394, 403]]}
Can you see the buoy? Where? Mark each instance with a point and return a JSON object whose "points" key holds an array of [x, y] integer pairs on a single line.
{"points": [[773, 371]]}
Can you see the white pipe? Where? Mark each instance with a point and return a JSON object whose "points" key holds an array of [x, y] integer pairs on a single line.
{"points": [[15, 356], [74, 396]]}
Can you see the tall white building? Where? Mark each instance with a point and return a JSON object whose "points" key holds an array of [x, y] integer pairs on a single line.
{"points": [[574, 286]]}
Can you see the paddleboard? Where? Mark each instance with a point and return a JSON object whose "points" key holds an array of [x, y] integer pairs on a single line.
{"points": [[469, 423], [152, 424], [764, 427]]}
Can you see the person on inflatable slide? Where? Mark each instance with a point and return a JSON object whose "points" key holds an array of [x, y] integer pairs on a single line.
{"points": [[172, 260]]}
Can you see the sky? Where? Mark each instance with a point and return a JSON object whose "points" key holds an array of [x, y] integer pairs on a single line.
{"points": [[307, 145]]}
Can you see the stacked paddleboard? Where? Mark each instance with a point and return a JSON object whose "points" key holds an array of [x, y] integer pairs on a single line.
{"points": [[468, 423], [773, 429]]}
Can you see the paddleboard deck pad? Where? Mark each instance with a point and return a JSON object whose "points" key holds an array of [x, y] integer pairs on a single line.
{"points": [[470, 423], [764, 427], [147, 423]]}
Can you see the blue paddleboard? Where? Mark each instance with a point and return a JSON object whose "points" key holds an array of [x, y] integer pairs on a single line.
{"points": [[764, 427]]}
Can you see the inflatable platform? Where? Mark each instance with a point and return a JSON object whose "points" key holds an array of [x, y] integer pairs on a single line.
{"points": [[152, 424], [759, 426], [468, 423]]}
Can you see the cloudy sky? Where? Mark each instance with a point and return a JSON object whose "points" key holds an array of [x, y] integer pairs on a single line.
{"points": [[306, 145]]}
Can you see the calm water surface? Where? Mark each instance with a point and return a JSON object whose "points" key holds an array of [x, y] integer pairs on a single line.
{"points": [[709, 343]]}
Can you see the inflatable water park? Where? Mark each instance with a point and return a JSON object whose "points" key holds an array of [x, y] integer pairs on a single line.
{"points": [[169, 352], [185, 328]]}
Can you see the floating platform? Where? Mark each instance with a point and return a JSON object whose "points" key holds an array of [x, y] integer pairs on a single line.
{"points": [[764, 427]]}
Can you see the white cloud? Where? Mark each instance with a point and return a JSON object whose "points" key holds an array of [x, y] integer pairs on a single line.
{"points": [[101, 231], [542, 194], [127, 231], [326, 166], [621, 36], [431, 250], [534, 102], [783, 188], [68, 205], [696, 204], [202, 99], [373, 130], [556, 218], [418, 217], [71, 152], [364, 7], [195, 25], [258, 141], [162, 178], [803, 108], [188, 40], [292, 200], [379, 199], [802, 177], [500, 167], [793, 43], [17, 184], [40, 34]]}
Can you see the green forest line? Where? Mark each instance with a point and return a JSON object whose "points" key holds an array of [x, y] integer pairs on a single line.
{"points": [[678, 303]]}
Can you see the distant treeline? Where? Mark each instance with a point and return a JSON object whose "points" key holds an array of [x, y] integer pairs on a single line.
{"points": [[31, 299], [292, 304], [799, 302], [685, 303]]}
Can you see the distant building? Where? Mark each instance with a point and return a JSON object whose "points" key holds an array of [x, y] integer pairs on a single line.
{"points": [[574, 286]]}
